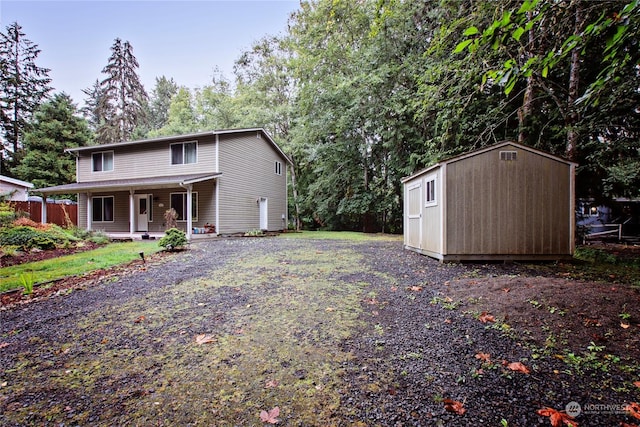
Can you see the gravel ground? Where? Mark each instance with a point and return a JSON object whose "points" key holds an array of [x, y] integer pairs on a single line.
{"points": [[411, 351]]}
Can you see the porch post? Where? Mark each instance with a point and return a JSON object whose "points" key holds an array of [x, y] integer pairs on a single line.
{"points": [[89, 212], [43, 210], [189, 211], [132, 212]]}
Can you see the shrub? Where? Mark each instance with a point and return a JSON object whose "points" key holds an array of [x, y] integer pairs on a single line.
{"points": [[7, 214], [98, 237], [26, 238], [173, 239]]}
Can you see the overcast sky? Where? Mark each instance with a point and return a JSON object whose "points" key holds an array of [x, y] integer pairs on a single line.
{"points": [[185, 40]]}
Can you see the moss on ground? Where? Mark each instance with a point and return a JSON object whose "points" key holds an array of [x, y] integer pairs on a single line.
{"points": [[273, 326]]}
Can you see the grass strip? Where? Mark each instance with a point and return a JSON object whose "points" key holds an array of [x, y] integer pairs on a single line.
{"points": [[75, 264], [342, 235]]}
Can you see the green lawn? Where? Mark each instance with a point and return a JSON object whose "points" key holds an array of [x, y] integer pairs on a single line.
{"points": [[341, 235], [71, 265]]}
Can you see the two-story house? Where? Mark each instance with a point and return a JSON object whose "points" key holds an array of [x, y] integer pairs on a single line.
{"points": [[233, 180]]}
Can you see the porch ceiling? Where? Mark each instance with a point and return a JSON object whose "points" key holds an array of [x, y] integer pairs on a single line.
{"points": [[129, 184]]}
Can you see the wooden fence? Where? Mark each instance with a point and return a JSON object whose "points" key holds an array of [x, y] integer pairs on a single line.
{"points": [[57, 213]]}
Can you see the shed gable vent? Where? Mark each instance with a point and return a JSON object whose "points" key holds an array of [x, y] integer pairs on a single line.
{"points": [[508, 155]]}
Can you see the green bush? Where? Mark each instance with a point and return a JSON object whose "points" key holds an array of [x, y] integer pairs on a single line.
{"points": [[26, 238], [173, 239], [7, 214]]}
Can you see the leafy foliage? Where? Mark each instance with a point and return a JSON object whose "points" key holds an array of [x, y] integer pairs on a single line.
{"points": [[55, 127]]}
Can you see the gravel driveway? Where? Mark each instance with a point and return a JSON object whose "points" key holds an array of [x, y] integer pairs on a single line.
{"points": [[326, 332]]}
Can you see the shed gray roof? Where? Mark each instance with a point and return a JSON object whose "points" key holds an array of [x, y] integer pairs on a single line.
{"points": [[129, 184]]}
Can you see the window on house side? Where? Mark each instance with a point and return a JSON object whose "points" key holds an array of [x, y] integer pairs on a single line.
{"points": [[183, 153], [179, 203], [278, 168], [102, 209], [102, 161]]}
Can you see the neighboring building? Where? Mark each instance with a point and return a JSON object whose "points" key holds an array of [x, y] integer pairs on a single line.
{"points": [[502, 202], [230, 180], [15, 189]]}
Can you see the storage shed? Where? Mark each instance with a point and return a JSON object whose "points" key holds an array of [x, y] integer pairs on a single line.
{"points": [[502, 202]]}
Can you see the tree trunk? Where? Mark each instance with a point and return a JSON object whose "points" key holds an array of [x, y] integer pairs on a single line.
{"points": [[294, 190], [574, 83]]}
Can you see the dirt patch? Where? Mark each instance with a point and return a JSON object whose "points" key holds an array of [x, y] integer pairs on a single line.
{"points": [[557, 314]]}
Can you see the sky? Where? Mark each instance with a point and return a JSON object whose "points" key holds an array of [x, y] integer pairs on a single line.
{"points": [[183, 40]]}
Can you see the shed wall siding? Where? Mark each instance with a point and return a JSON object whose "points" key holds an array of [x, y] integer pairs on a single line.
{"points": [[153, 159], [508, 207], [247, 164]]}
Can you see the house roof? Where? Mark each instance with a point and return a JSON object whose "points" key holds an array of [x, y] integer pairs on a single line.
{"points": [[15, 181], [484, 150], [130, 184], [180, 138]]}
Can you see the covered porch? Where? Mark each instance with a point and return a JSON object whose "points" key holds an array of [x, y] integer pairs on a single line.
{"points": [[135, 207]]}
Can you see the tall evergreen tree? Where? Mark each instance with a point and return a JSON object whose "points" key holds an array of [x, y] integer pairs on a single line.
{"points": [[55, 126], [122, 100], [23, 87], [160, 102]]}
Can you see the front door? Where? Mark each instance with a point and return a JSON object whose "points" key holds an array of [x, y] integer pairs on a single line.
{"points": [[142, 212], [264, 214]]}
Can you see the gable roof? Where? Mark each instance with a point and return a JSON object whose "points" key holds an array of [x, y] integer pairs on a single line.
{"points": [[15, 181], [486, 149], [180, 138]]}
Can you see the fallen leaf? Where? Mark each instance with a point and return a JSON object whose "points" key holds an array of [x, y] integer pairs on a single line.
{"points": [[506, 290], [415, 288], [485, 357], [204, 339], [4, 344], [394, 288], [623, 424], [270, 417], [454, 406], [139, 319], [329, 309], [557, 418], [518, 367], [486, 317], [633, 409], [272, 384], [447, 321], [624, 325], [636, 383]]}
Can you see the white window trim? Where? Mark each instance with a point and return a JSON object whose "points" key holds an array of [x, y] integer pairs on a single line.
{"points": [[278, 167], [183, 163], [113, 161], [197, 200], [431, 177], [93, 211]]}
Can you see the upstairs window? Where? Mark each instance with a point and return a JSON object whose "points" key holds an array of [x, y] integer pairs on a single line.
{"points": [[102, 161], [278, 168], [183, 153]]}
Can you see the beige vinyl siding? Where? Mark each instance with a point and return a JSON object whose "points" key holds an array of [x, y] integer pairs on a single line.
{"points": [[206, 208], [150, 159], [247, 164], [508, 207]]}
